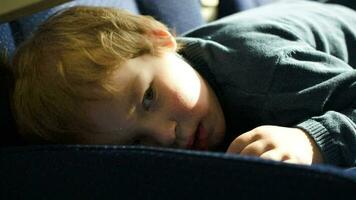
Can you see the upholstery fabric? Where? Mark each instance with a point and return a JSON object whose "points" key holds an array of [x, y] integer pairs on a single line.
{"points": [[180, 16], [26, 25], [228, 7], [6, 40], [124, 172]]}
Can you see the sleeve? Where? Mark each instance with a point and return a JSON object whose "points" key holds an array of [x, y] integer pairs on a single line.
{"points": [[335, 129], [335, 134], [319, 90], [321, 72]]}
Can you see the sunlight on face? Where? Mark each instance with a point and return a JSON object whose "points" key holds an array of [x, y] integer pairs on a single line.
{"points": [[184, 82], [161, 101]]}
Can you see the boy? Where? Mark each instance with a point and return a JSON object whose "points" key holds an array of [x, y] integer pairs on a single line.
{"points": [[276, 82]]}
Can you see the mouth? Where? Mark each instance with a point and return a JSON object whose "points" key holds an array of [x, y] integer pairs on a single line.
{"points": [[199, 140]]}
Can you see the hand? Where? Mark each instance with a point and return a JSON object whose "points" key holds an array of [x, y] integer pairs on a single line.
{"points": [[291, 145]]}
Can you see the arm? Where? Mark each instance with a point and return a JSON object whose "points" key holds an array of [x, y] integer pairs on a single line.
{"points": [[295, 68], [322, 104], [321, 76], [316, 92]]}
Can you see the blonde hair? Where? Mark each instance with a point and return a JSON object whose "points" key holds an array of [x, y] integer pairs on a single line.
{"points": [[73, 51]]}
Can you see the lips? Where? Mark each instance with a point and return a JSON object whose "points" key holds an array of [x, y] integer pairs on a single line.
{"points": [[199, 140]]}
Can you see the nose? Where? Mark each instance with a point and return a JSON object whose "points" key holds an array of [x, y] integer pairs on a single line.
{"points": [[161, 131]]}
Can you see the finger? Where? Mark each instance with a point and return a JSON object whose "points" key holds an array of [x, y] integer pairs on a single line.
{"points": [[256, 148], [272, 155], [241, 142]]}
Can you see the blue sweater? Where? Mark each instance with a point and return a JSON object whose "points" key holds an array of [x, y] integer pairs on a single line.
{"points": [[286, 64]]}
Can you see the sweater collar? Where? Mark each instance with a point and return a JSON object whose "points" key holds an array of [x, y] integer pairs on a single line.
{"points": [[193, 53]]}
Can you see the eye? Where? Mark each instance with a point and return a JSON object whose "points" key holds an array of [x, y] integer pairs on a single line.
{"points": [[148, 98]]}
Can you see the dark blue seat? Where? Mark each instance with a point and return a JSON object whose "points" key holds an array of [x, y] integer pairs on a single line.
{"points": [[6, 38], [126, 172]]}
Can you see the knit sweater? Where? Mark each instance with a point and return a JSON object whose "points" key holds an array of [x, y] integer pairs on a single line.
{"points": [[285, 64]]}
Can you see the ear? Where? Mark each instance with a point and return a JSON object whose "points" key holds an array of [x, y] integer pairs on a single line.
{"points": [[164, 38]]}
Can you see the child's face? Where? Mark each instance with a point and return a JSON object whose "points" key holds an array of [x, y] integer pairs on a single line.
{"points": [[161, 101]]}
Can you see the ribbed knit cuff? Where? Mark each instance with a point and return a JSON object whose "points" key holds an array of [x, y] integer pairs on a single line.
{"points": [[323, 139]]}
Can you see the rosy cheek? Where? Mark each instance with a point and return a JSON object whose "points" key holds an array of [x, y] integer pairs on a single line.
{"points": [[186, 92], [182, 104], [183, 88]]}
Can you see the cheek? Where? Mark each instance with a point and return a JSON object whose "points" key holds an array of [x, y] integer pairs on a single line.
{"points": [[185, 95], [186, 98], [186, 85], [181, 103]]}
